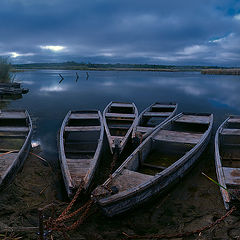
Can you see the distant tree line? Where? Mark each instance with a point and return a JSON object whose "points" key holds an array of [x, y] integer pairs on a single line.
{"points": [[71, 65]]}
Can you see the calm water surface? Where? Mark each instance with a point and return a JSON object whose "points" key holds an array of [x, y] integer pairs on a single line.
{"points": [[192, 203], [48, 101]]}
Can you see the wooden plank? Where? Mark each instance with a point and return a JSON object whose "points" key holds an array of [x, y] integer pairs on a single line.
{"points": [[157, 114], [228, 131], [6, 161], [120, 115], [144, 129], [129, 179], [234, 120], [194, 119], [163, 106], [232, 176], [84, 116], [153, 166], [119, 127], [122, 105], [12, 115], [14, 129], [178, 137], [82, 128]]}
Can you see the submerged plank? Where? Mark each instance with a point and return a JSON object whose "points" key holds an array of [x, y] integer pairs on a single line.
{"points": [[120, 115], [232, 175], [194, 119], [178, 137], [157, 114], [82, 128]]}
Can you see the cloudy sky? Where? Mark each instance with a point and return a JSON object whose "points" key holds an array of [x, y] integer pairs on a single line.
{"points": [[196, 32]]}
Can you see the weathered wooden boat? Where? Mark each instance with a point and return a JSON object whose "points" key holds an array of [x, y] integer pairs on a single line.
{"points": [[151, 118], [119, 120], [227, 160], [12, 91], [80, 143], [15, 134], [159, 161], [11, 84]]}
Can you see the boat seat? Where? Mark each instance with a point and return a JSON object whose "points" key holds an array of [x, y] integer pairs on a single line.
{"points": [[157, 114], [12, 115], [82, 128], [193, 119], [13, 129], [129, 179], [234, 120], [122, 105], [84, 116], [120, 115], [232, 176], [178, 137], [144, 129], [163, 106], [228, 131]]}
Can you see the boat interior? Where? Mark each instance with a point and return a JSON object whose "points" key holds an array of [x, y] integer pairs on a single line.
{"points": [[81, 135], [119, 118], [13, 132], [156, 114], [229, 147], [166, 147]]}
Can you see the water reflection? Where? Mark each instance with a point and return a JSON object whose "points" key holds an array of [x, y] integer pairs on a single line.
{"points": [[49, 101]]}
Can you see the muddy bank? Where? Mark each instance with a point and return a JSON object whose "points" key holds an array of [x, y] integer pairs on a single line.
{"points": [[190, 205]]}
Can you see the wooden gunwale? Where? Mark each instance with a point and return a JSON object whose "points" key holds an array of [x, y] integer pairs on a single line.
{"points": [[133, 192], [219, 167]]}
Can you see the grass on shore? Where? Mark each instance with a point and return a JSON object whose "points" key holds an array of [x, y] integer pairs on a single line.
{"points": [[5, 68]]}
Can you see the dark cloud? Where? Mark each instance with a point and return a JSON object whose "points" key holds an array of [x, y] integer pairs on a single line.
{"points": [[161, 32]]}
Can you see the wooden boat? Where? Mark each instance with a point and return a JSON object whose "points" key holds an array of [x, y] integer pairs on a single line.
{"points": [[80, 144], [15, 134], [151, 118], [119, 120], [160, 160], [12, 89], [227, 159]]}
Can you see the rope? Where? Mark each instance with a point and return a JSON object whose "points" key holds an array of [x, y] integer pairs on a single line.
{"points": [[185, 234]]}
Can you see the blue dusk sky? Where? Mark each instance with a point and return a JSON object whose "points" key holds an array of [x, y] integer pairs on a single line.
{"points": [[176, 32]]}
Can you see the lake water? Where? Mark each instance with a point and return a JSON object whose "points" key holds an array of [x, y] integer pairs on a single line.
{"points": [[194, 201], [48, 101]]}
